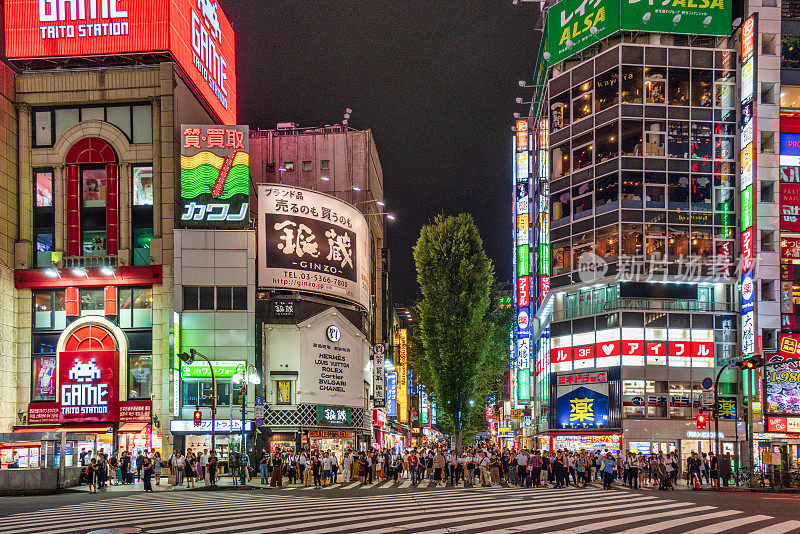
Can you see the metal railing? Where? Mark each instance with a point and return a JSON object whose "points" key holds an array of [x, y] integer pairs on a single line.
{"points": [[626, 303]]}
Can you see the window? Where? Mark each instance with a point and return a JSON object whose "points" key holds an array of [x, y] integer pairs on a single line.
{"points": [[306, 166], [607, 142], [701, 88], [232, 298], [582, 100], [655, 85], [606, 90], [93, 212], [559, 111], [43, 217], [44, 378], [135, 121], [701, 147], [49, 310], [678, 87], [769, 338], [560, 205], [143, 185], [198, 298], [325, 164], [631, 91], [768, 142], [92, 302], [142, 213], [136, 307], [655, 141], [631, 138], [678, 139], [768, 191], [678, 243], [769, 93], [199, 393], [606, 192], [767, 289], [283, 392], [140, 376], [633, 398], [44, 188], [701, 192], [559, 159], [767, 240], [288, 166]]}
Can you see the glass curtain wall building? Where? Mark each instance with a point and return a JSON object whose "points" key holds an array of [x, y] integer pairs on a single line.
{"points": [[643, 231]]}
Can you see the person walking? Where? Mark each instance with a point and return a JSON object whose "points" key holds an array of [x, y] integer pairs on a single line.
{"points": [[347, 467], [157, 467], [438, 466], [581, 467], [484, 467], [607, 467]]}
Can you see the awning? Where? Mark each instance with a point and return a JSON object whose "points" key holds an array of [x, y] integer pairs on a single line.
{"points": [[19, 445], [133, 427]]}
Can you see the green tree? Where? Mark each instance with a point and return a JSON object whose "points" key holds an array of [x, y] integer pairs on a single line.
{"points": [[453, 340]]}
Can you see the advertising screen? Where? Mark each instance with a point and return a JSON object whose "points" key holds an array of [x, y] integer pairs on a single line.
{"points": [[195, 32], [783, 380], [702, 17], [87, 382], [312, 242], [215, 176]]}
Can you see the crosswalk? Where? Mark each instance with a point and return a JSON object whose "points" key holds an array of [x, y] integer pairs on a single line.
{"points": [[497, 509]]}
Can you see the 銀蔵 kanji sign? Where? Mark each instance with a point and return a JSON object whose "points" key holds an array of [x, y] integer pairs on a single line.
{"points": [[334, 416], [313, 242]]}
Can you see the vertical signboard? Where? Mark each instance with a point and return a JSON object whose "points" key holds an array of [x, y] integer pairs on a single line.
{"points": [[391, 394], [523, 248], [176, 364], [423, 407], [544, 208], [215, 176], [402, 375], [748, 166], [379, 375]]}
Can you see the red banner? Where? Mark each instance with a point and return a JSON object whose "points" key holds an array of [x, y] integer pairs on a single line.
{"points": [[135, 411], [561, 355], [584, 353], [87, 382], [523, 291], [747, 249], [790, 248], [790, 207], [43, 413], [789, 346], [607, 349]]}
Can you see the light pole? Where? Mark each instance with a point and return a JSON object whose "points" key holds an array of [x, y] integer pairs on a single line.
{"points": [[243, 378], [189, 358]]}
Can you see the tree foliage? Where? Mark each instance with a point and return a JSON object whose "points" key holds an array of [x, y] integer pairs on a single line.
{"points": [[456, 346]]}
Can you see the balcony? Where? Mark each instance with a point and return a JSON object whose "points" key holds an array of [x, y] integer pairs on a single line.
{"points": [[637, 304]]}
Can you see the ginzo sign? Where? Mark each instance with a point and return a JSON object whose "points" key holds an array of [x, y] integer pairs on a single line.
{"points": [[195, 32], [312, 242], [215, 176], [87, 386]]}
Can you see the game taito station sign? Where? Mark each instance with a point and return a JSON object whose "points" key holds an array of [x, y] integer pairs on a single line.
{"points": [[574, 25]]}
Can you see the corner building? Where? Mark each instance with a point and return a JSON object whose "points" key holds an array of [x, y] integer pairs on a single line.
{"points": [[641, 179], [97, 127]]}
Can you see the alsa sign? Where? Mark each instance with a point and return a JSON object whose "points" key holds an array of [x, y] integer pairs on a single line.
{"points": [[195, 32]]}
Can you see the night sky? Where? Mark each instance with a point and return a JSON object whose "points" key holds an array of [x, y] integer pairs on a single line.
{"points": [[435, 81]]}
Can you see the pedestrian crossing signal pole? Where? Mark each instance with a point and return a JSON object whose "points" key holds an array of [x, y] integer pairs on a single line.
{"points": [[189, 358]]}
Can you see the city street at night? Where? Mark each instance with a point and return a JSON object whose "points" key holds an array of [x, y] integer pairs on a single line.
{"points": [[421, 510]]}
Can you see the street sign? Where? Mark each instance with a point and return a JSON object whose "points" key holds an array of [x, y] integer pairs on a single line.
{"points": [[259, 401], [707, 398], [707, 383], [733, 361], [258, 411], [259, 422]]}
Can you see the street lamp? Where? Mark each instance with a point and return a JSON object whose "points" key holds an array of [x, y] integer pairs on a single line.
{"points": [[321, 179], [242, 377], [389, 216], [380, 203], [189, 358]]}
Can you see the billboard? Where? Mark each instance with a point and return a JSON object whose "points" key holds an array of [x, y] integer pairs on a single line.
{"points": [[310, 241], [215, 176], [195, 32], [574, 25], [701, 17], [87, 384]]}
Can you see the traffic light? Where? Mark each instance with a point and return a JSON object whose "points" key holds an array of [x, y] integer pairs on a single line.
{"points": [[198, 418], [700, 420], [752, 362]]}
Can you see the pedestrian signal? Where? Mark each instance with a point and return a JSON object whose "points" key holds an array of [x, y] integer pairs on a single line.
{"points": [[198, 418], [700, 420]]}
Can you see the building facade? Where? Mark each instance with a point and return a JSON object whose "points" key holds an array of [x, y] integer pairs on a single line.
{"points": [[642, 258]]}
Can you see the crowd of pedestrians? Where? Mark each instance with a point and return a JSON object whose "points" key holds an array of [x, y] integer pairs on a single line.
{"points": [[482, 465]]}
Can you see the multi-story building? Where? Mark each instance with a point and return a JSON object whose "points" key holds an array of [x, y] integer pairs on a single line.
{"points": [[322, 268], [92, 200], [635, 158]]}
